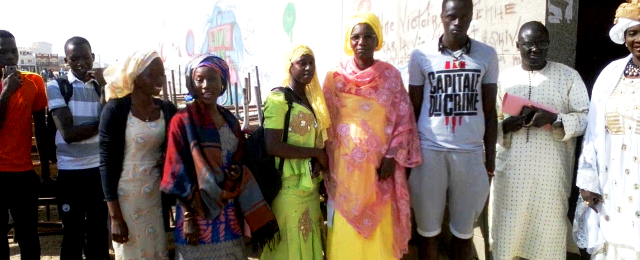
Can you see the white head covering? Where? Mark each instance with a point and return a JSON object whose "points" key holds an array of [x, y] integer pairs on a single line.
{"points": [[120, 76], [617, 32]]}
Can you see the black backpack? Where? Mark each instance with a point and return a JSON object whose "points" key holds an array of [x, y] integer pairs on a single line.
{"points": [[263, 165], [66, 89]]}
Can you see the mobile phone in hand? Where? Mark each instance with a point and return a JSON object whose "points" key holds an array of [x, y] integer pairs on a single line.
{"points": [[528, 114], [8, 70]]}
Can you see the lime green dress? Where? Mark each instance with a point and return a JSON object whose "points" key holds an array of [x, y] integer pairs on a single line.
{"points": [[297, 206]]}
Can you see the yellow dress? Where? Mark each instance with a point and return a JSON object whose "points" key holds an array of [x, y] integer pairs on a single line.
{"points": [[370, 121], [344, 242]]}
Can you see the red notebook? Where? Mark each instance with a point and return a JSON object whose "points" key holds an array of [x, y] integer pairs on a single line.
{"points": [[512, 105]]}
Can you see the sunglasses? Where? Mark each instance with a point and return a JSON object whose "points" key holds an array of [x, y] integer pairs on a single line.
{"points": [[538, 45]]}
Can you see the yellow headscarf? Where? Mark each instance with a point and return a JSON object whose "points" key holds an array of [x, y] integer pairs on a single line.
{"points": [[313, 91], [630, 10], [358, 18], [627, 16], [120, 76]]}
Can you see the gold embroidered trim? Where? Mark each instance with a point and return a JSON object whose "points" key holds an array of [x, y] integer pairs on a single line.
{"points": [[301, 123], [305, 224], [623, 108], [608, 247]]}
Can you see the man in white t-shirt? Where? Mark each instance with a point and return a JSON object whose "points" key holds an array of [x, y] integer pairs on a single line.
{"points": [[452, 85], [81, 202]]}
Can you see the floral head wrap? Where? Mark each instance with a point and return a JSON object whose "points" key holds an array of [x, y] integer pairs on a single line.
{"points": [[211, 61]]}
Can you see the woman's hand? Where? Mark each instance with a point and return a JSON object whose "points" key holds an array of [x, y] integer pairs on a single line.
{"points": [[160, 163], [323, 159], [190, 229], [119, 230], [316, 169], [234, 172], [387, 168], [591, 199], [232, 179]]}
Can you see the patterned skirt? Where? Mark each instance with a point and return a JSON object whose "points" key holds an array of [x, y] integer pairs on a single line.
{"points": [[220, 238]]}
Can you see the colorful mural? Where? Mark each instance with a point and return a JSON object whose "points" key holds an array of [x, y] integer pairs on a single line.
{"points": [[223, 38], [289, 20], [250, 33]]}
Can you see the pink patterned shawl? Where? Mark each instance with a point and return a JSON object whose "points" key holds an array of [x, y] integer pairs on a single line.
{"points": [[356, 147]]}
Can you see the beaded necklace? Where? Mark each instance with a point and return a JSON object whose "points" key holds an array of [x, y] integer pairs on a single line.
{"points": [[631, 69], [529, 97]]}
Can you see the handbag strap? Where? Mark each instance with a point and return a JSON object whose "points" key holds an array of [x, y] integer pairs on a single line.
{"points": [[285, 135]]}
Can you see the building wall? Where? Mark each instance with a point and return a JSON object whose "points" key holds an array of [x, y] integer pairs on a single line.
{"points": [[27, 61], [26, 57], [41, 48], [48, 61], [254, 33], [562, 22]]}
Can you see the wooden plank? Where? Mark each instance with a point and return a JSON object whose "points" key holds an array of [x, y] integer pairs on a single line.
{"points": [[165, 97], [173, 84]]}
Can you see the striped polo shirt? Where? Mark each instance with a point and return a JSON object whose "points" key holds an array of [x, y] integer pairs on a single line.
{"points": [[86, 109]]}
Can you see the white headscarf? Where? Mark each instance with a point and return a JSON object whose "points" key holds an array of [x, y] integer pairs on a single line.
{"points": [[120, 76], [617, 32]]}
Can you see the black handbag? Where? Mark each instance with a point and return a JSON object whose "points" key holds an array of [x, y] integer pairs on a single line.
{"points": [[261, 163]]}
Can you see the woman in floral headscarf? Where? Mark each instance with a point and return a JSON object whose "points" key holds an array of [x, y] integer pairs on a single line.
{"points": [[132, 141], [607, 219], [297, 206], [372, 138], [204, 170]]}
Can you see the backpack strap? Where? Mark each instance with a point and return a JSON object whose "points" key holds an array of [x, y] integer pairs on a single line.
{"points": [[66, 89], [285, 135]]}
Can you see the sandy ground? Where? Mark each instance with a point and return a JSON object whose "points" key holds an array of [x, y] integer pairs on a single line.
{"points": [[51, 239], [50, 245]]}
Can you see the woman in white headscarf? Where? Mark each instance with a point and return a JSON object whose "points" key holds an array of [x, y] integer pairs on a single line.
{"points": [[607, 221], [133, 130]]}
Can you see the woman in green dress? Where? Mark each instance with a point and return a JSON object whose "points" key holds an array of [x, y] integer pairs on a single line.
{"points": [[297, 205]]}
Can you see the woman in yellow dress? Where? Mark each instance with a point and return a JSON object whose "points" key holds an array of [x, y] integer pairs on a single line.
{"points": [[297, 205], [372, 139]]}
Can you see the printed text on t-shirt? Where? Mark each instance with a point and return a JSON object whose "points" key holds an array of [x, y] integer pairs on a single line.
{"points": [[454, 92]]}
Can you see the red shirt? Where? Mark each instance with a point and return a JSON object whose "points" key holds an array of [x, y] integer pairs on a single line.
{"points": [[16, 133]]}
